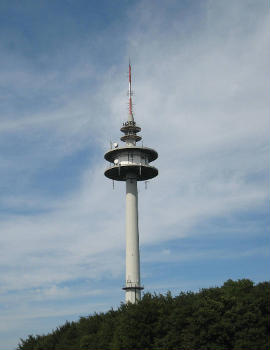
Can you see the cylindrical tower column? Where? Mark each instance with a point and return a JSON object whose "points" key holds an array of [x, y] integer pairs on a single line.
{"points": [[133, 287]]}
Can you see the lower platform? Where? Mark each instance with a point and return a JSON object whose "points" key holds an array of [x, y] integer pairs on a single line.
{"points": [[141, 172]]}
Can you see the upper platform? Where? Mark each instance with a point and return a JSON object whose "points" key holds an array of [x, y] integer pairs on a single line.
{"points": [[130, 129], [113, 154]]}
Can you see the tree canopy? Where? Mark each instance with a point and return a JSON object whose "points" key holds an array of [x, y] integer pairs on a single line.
{"points": [[232, 317]]}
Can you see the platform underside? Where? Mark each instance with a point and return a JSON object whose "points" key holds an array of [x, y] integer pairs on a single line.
{"points": [[140, 172]]}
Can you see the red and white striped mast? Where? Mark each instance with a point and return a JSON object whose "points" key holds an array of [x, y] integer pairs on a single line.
{"points": [[130, 115]]}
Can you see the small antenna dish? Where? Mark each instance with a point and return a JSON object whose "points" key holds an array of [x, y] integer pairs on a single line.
{"points": [[115, 144], [116, 161]]}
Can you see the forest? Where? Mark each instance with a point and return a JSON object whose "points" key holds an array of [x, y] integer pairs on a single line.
{"points": [[234, 316]]}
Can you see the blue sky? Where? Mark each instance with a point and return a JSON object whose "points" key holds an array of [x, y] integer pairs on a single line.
{"points": [[200, 79]]}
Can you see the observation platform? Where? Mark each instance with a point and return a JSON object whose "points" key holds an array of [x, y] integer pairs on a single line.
{"points": [[131, 161]]}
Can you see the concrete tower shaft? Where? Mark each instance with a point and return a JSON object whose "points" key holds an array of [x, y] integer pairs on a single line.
{"points": [[133, 281], [131, 164]]}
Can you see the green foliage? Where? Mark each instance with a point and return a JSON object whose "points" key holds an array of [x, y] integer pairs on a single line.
{"points": [[232, 317]]}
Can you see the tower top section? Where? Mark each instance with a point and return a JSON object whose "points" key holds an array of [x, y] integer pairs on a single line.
{"points": [[130, 161], [129, 128]]}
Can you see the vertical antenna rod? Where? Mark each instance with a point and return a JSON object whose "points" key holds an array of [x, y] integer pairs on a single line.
{"points": [[130, 93]]}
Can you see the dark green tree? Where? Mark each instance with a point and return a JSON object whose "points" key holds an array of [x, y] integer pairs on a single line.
{"points": [[232, 317]]}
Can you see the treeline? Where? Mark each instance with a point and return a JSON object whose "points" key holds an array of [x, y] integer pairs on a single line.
{"points": [[232, 317]]}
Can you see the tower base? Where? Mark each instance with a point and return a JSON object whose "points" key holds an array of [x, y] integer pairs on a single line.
{"points": [[133, 294]]}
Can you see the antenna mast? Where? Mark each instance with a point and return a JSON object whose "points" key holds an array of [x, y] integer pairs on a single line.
{"points": [[130, 94]]}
